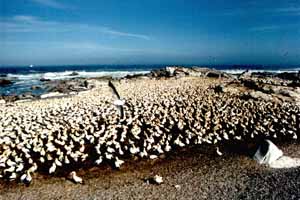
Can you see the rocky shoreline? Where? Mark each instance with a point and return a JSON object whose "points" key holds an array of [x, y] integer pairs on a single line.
{"points": [[260, 81]]}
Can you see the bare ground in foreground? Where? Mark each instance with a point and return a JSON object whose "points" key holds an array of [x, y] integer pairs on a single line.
{"points": [[197, 173]]}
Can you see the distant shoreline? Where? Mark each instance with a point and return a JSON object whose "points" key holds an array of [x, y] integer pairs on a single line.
{"points": [[32, 83]]}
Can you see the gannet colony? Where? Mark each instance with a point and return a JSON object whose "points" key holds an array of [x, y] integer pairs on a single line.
{"points": [[63, 134]]}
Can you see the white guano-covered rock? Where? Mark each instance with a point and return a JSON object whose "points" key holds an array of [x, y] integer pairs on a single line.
{"points": [[267, 153]]}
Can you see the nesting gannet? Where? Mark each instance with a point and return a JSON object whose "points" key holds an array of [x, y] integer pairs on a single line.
{"points": [[26, 178], [118, 162], [218, 151], [155, 180], [119, 103], [52, 168], [76, 179]]}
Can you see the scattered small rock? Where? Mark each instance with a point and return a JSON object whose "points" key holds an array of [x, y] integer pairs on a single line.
{"points": [[178, 187]]}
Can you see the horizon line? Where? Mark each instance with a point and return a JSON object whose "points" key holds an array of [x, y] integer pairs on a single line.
{"points": [[155, 64]]}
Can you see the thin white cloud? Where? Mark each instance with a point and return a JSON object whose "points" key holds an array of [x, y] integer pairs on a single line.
{"points": [[265, 28], [31, 24], [24, 18], [270, 28], [52, 4], [85, 46], [275, 11], [118, 33], [290, 10]]}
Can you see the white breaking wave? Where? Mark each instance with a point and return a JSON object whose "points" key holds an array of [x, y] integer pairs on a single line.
{"points": [[24, 76], [69, 75]]}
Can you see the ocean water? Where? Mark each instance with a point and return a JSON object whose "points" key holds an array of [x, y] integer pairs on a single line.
{"points": [[24, 77]]}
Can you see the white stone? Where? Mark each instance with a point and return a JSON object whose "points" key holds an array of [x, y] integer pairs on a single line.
{"points": [[158, 179], [285, 162], [2, 101], [267, 153], [52, 94]]}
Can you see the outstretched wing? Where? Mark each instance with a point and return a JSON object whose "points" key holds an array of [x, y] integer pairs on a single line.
{"points": [[114, 90]]}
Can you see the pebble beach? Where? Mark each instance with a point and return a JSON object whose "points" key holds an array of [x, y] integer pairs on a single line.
{"points": [[180, 127]]}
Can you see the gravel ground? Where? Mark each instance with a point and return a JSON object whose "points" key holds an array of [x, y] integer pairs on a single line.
{"points": [[194, 173]]}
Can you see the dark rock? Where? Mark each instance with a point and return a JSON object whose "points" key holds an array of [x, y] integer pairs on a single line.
{"points": [[129, 76], [219, 88], [103, 78], [249, 83], [288, 93], [180, 73], [5, 82], [289, 76], [61, 88], [74, 74], [45, 79], [294, 84], [245, 75], [27, 95], [10, 98], [35, 87], [213, 74], [263, 74], [67, 86], [160, 73], [3, 75]]}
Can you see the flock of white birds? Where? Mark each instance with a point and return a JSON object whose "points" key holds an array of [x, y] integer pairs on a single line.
{"points": [[64, 134]]}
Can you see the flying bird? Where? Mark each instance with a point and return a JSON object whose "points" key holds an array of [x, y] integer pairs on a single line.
{"points": [[119, 103]]}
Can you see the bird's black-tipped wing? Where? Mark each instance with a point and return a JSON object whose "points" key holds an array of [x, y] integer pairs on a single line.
{"points": [[114, 90]]}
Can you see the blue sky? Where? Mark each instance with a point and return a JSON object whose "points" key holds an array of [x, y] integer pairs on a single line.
{"points": [[53, 32]]}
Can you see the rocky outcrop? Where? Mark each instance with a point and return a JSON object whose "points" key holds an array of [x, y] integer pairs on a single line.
{"points": [[159, 73], [196, 72], [289, 76], [74, 74], [45, 79], [260, 95], [66, 86], [5, 82], [35, 87]]}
